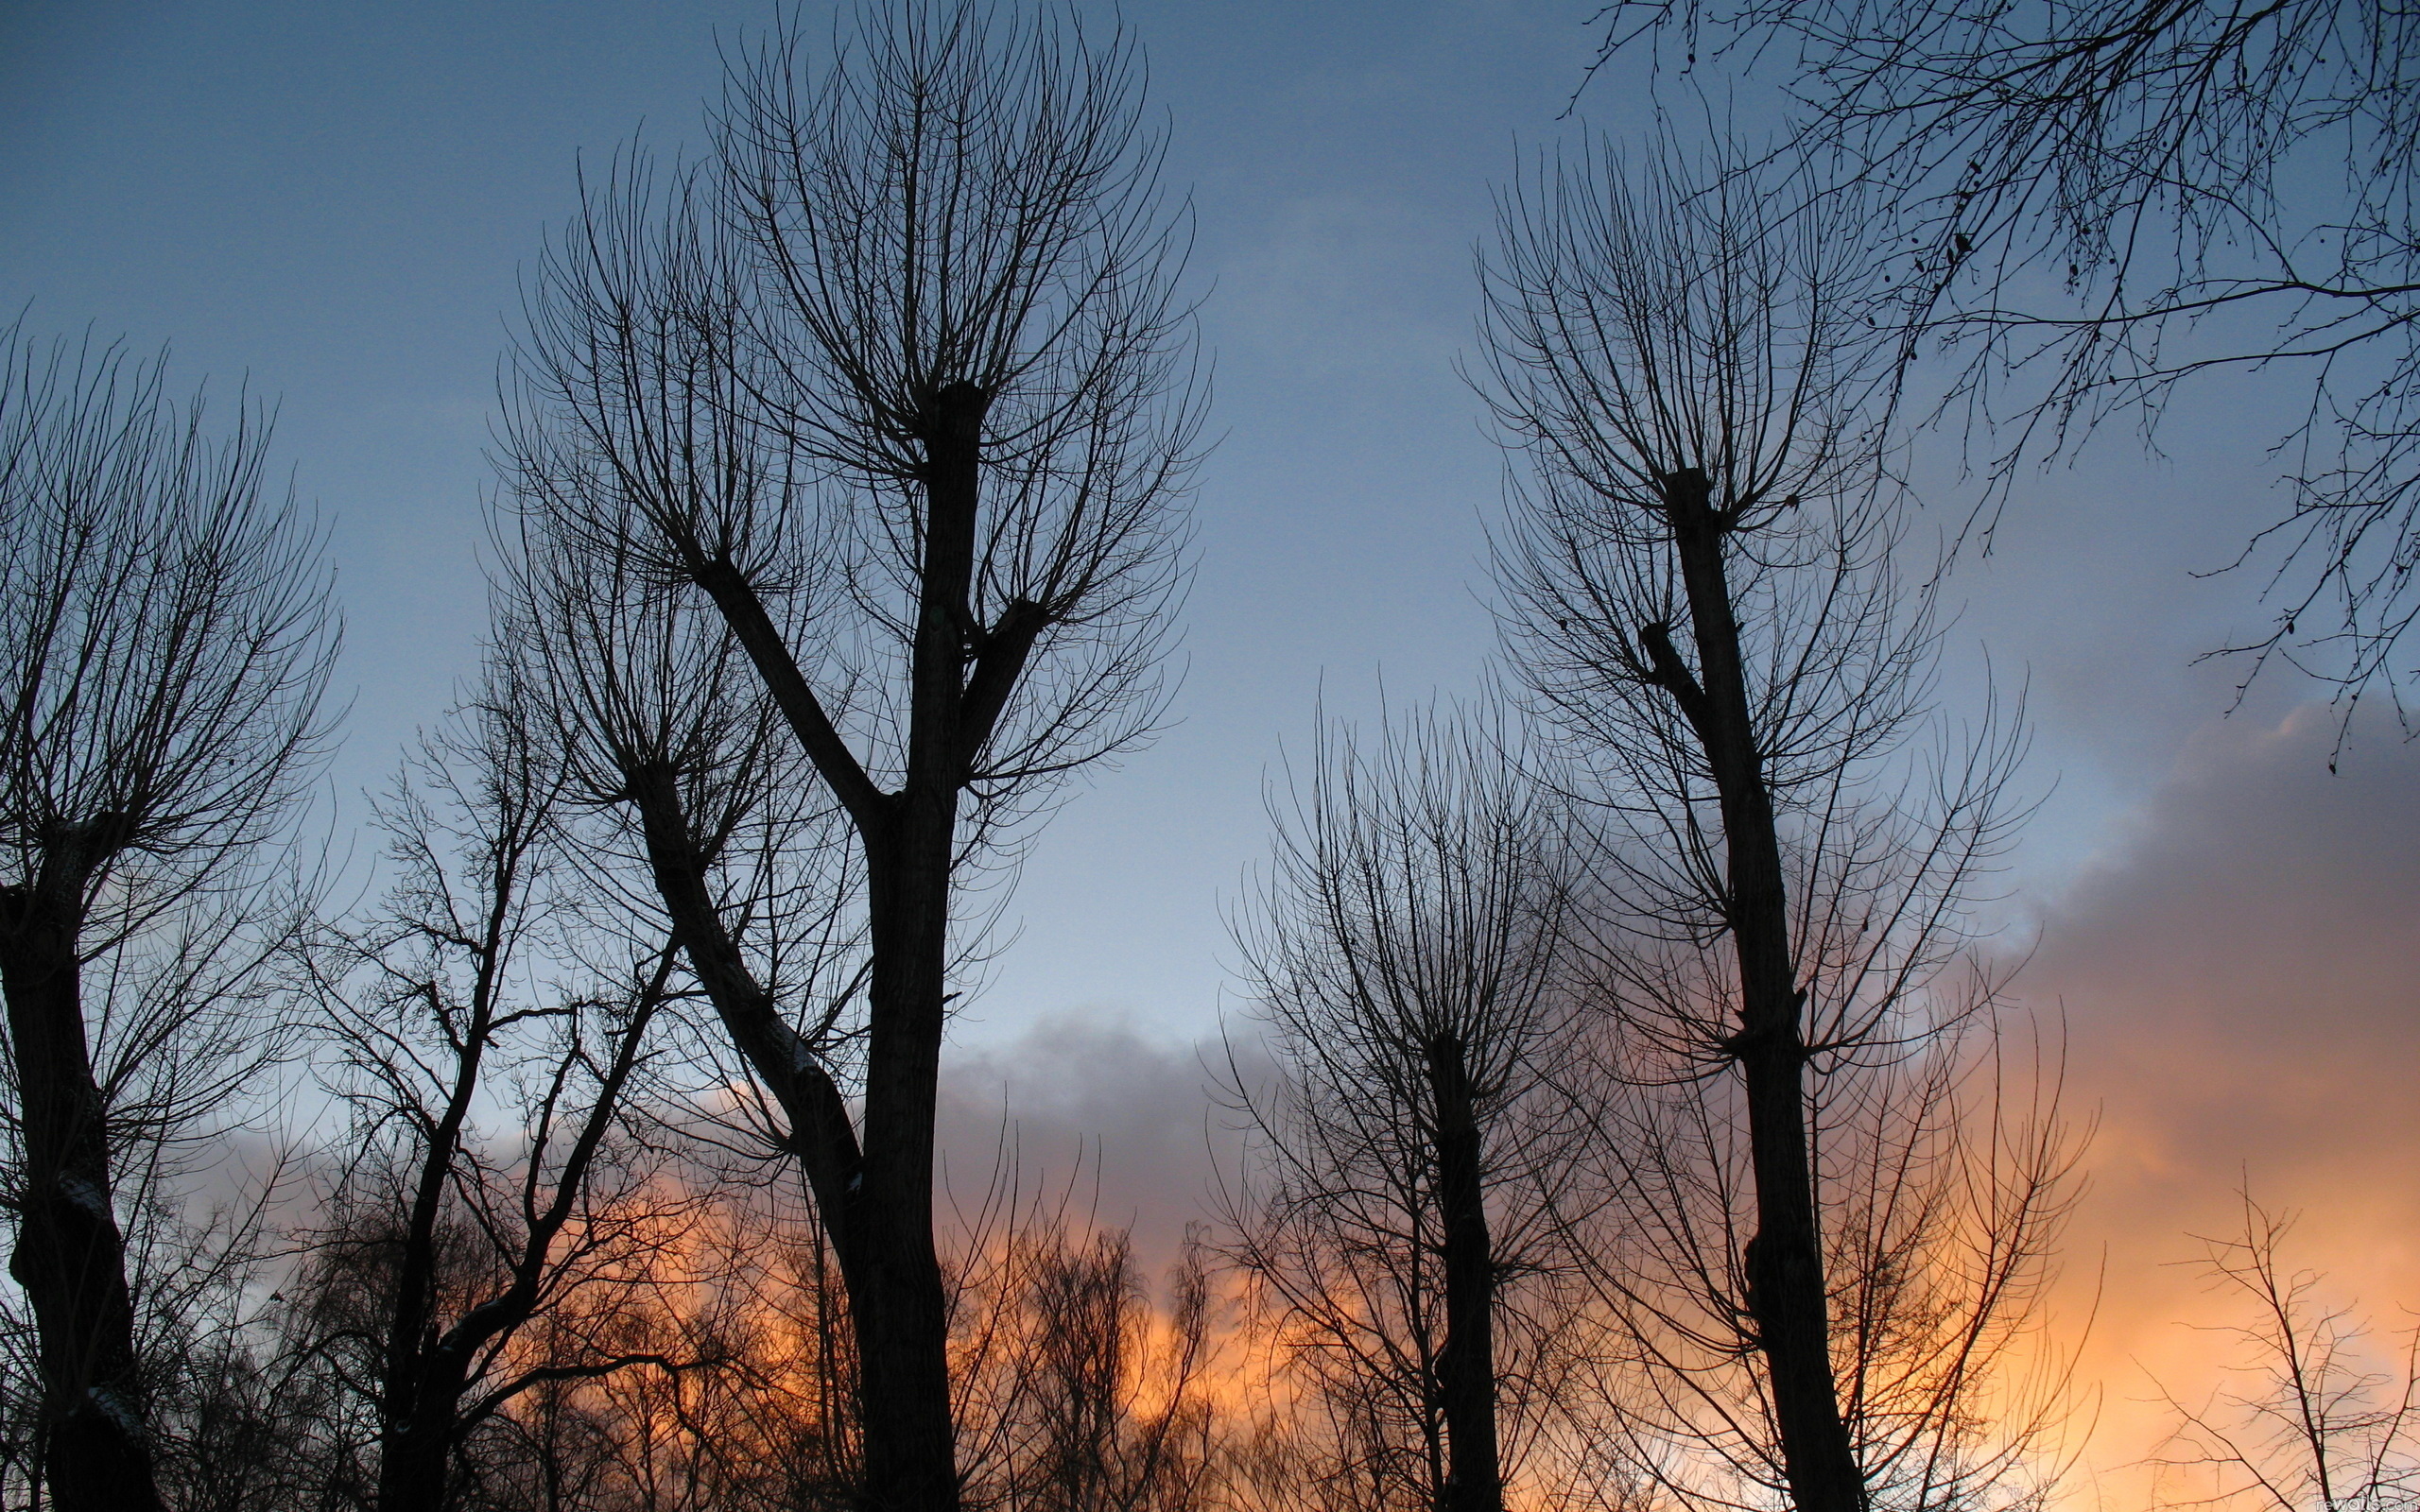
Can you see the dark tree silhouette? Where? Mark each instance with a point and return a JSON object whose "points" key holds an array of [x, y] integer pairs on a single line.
{"points": [[167, 633], [1069, 1397], [449, 1004], [1701, 605], [2097, 202], [1404, 961], [902, 392]]}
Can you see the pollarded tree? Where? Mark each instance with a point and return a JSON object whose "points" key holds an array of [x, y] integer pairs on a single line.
{"points": [[901, 390], [1405, 962], [2097, 202], [167, 633], [1701, 605]]}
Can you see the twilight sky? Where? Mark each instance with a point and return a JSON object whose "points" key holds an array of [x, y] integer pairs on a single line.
{"points": [[332, 203]]}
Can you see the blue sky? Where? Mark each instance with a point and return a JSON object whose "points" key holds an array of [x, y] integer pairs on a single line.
{"points": [[333, 204]]}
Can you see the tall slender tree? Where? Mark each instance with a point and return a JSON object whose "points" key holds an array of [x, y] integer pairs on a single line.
{"points": [[901, 389], [1701, 601], [167, 633], [1407, 963], [2094, 205], [490, 981]]}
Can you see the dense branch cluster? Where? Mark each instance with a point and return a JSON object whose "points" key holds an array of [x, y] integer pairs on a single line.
{"points": [[2089, 205]]}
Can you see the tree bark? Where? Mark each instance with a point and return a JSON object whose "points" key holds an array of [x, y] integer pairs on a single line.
{"points": [[1784, 1260], [70, 1255], [412, 1455], [1466, 1366]]}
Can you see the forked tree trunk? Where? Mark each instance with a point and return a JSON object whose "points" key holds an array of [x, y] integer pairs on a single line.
{"points": [[430, 1364], [873, 1197], [425, 1422], [70, 1255], [880, 1211], [902, 1337], [1784, 1260], [1466, 1366]]}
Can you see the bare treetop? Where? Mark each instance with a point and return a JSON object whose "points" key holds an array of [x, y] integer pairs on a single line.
{"points": [[969, 197], [1418, 891], [169, 629], [954, 235], [1643, 316], [2092, 201]]}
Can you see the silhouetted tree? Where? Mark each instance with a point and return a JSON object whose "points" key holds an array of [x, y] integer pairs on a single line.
{"points": [[1404, 962], [706, 818], [764, 1420], [485, 984], [900, 392], [1075, 1394], [2321, 1422], [1701, 606], [167, 633], [2095, 203]]}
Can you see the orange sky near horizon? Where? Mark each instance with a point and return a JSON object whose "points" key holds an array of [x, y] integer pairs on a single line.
{"points": [[2238, 973], [2236, 968]]}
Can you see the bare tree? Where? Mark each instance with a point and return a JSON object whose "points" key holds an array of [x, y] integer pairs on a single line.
{"points": [[168, 633], [2099, 201], [766, 1420], [1074, 1392], [1701, 605], [1404, 961], [219, 1423], [483, 986], [902, 391], [727, 1292], [706, 818], [2321, 1422]]}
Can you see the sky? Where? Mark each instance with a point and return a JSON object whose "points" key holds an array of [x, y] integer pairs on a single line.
{"points": [[331, 207]]}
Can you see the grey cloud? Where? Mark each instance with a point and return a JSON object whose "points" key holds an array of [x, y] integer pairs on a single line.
{"points": [[2236, 973], [1092, 1104]]}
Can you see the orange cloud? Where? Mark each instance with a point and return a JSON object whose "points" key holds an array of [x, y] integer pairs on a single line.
{"points": [[2241, 976]]}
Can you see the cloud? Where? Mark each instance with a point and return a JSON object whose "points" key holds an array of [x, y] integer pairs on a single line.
{"points": [[1091, 1106], [2239, 971]]}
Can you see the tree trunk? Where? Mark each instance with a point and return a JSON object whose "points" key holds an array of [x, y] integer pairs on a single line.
{"points": [[412, 1457], [820, 1134], [1784, 1260], [70, 1255], [415, 1413], [902, 1337], [903, 1341], [1466, 1366], [419, 1444]]}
